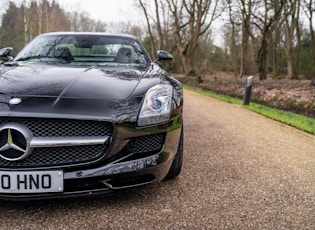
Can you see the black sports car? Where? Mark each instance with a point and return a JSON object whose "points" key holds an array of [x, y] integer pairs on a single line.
{"points": [[86, 113]]}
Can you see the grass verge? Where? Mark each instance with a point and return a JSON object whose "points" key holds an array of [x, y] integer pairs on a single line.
{"points": [[300, 122]]}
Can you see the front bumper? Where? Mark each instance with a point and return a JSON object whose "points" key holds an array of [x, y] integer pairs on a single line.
{"points": [[105, 179], [125, 171]]}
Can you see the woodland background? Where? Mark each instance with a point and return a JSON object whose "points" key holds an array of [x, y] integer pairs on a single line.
{"points": [[270, 39]]}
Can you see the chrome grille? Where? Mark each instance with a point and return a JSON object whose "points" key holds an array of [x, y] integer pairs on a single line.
{"points": [[60, 156], [62, 127], [57, 157]]}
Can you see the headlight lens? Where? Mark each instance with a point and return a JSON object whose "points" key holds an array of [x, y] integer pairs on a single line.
{"points": [[156, 107]]}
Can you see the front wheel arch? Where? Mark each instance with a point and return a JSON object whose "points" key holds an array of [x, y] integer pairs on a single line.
{"points": [[178, 159]]}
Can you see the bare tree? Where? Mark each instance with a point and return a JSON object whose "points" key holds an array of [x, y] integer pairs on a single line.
{"points": [[27, 17], [246, 9], [81, 21], [146, 14], [159, 26], [291, 12], [256, 19], [309, 10], [189, 19], [192, 19], [276, 41], [232, 38], [264, 17], [157, 16]]}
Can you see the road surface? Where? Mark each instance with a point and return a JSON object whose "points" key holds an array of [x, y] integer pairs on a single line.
{"points": [[241, 171]]}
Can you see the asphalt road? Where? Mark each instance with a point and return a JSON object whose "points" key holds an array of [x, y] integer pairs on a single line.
{"points": [[241, 171]]}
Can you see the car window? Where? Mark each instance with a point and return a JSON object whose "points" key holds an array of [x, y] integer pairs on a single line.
{"points": [[86, 49]]}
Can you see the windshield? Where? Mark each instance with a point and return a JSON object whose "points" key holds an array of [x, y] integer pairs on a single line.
{"points": [[87, 49]]}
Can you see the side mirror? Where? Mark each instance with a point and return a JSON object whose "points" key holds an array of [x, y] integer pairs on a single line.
{"points": [[163, 55], [6, 54]]}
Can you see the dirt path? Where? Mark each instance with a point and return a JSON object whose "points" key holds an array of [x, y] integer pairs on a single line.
{"points": [[241, 171], [262, 172]]}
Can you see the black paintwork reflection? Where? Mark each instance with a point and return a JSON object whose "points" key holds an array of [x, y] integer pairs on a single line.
{"points": [[52, 81], [113, 94], [4, 102], [59, 91]]}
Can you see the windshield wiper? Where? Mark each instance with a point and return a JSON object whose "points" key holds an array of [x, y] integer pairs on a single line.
{"points": [[44, 59], [30, 58]]}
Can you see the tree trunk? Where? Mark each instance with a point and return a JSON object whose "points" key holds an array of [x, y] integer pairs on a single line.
{"points": [[246, 42], [158, 25], [262, 60], [312, 37], [276, 41], [291, 19], [188, 66], [40, 19], [311, 12], [234, 52], [25, 20], [149, 29], [298, 51], [290, 66]]}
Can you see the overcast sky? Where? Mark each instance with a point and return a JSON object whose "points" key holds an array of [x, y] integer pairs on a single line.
{"points": [[105, 10]]}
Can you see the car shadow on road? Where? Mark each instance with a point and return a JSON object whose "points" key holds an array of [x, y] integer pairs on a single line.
{"points": [[131, 195]]}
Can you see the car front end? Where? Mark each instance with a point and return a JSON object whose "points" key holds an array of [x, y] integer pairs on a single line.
{"points": [[69, 129]]}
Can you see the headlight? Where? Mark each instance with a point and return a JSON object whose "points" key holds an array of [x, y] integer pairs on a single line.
{"points": [[156, 107]]}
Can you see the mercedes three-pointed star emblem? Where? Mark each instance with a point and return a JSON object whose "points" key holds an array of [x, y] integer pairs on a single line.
{"points": [[14, 141]]}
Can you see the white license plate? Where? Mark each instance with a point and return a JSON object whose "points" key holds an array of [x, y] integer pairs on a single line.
{"points": [[31, 181]]}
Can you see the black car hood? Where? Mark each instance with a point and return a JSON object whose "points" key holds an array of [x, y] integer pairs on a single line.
{"points": [[71, 92], [69, 82]]}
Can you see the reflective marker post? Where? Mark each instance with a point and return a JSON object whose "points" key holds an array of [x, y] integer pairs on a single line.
{"points": [[248, 90]]}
